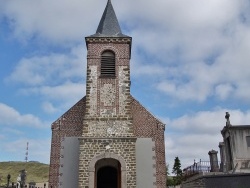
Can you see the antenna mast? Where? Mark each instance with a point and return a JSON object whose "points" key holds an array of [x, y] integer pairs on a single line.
{"points": [[27, 152]]}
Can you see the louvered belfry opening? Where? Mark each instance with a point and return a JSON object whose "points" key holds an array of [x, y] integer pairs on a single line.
{"points": [[108, 64]]}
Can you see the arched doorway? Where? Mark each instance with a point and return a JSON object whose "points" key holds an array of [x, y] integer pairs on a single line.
{"points": [[108, 173], [108, 159], [107, 177]]}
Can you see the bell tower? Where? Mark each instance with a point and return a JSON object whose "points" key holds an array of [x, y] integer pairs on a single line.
{"points": [[108, 79], [108, 139]]}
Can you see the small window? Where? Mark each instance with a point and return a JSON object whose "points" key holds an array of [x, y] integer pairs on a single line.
{"points": [[108, 64], [248, 141]]}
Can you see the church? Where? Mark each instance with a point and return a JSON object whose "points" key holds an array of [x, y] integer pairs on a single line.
{"points": [[108, 139]]}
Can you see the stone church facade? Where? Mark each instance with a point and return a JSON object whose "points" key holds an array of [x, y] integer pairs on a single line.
{"points": [[108, 139]]}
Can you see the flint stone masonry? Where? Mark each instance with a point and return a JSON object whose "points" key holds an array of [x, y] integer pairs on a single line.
{"points": [[91, 147], [92, 74], [107, 96], [108, 128], [124, 84]]}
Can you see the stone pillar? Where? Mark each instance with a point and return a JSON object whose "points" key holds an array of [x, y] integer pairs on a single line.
{"points": [[213, 161], [222, 157]]}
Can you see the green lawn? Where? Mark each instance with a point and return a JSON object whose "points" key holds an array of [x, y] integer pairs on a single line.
{"points": [[37, 172]]}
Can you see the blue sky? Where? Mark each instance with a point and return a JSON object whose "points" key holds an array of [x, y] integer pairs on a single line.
{"points": [[190, 64]]}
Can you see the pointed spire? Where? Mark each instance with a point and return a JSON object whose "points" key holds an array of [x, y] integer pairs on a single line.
{"points": [[109, 25]]}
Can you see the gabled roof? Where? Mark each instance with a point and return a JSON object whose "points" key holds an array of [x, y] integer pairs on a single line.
{"points": [[109, 25]]}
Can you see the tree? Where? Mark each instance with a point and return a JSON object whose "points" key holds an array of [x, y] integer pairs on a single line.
{"points": [[167, 169], [177, 171], [170, 180]]}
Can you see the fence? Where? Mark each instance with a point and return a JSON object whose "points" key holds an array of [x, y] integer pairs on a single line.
{"points": [[197, 168]]}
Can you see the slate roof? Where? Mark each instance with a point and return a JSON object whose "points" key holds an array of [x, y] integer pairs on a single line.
{"points": [[109, 25]]}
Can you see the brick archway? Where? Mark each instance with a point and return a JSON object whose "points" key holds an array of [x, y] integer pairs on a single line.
{"points": [[107, 155]]}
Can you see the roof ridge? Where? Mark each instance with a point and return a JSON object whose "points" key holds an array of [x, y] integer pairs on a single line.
{"points": [[157, 119]]}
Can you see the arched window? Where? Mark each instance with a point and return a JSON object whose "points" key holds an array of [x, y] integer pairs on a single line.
{"points": [[108, 64]]}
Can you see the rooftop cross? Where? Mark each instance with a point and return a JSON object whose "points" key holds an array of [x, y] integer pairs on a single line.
{"points": [[227, 116]]}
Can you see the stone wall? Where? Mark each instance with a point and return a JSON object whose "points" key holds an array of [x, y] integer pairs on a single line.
{"points": [[197, 182], [92, 148], [107, 121], [219, 181], [108, 96]]}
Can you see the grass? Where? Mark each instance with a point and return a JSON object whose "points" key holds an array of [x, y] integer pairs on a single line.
{"points": [[36, 172]]}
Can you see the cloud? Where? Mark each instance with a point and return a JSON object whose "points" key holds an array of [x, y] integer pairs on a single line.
{"points": [[39, 149], [185, 25], [16, 130], [190, 48], [57, 98], [59, 22], [12, 131], [223, 91], [49, 69], [11, 117], [193, 135], [55, 77], [67, 90], [49, 108], [190, 55]]}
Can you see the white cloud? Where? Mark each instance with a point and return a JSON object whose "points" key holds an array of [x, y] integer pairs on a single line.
{"points": [[11, 117], [68, 92], [139, 69], [50, 69], [12, 131], [63, 21], [192, 47], [223, 91], [49, 108], [39, 149], [54, 77]]}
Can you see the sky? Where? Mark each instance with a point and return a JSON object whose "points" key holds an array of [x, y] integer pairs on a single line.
{"points": [[189, 65]]}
